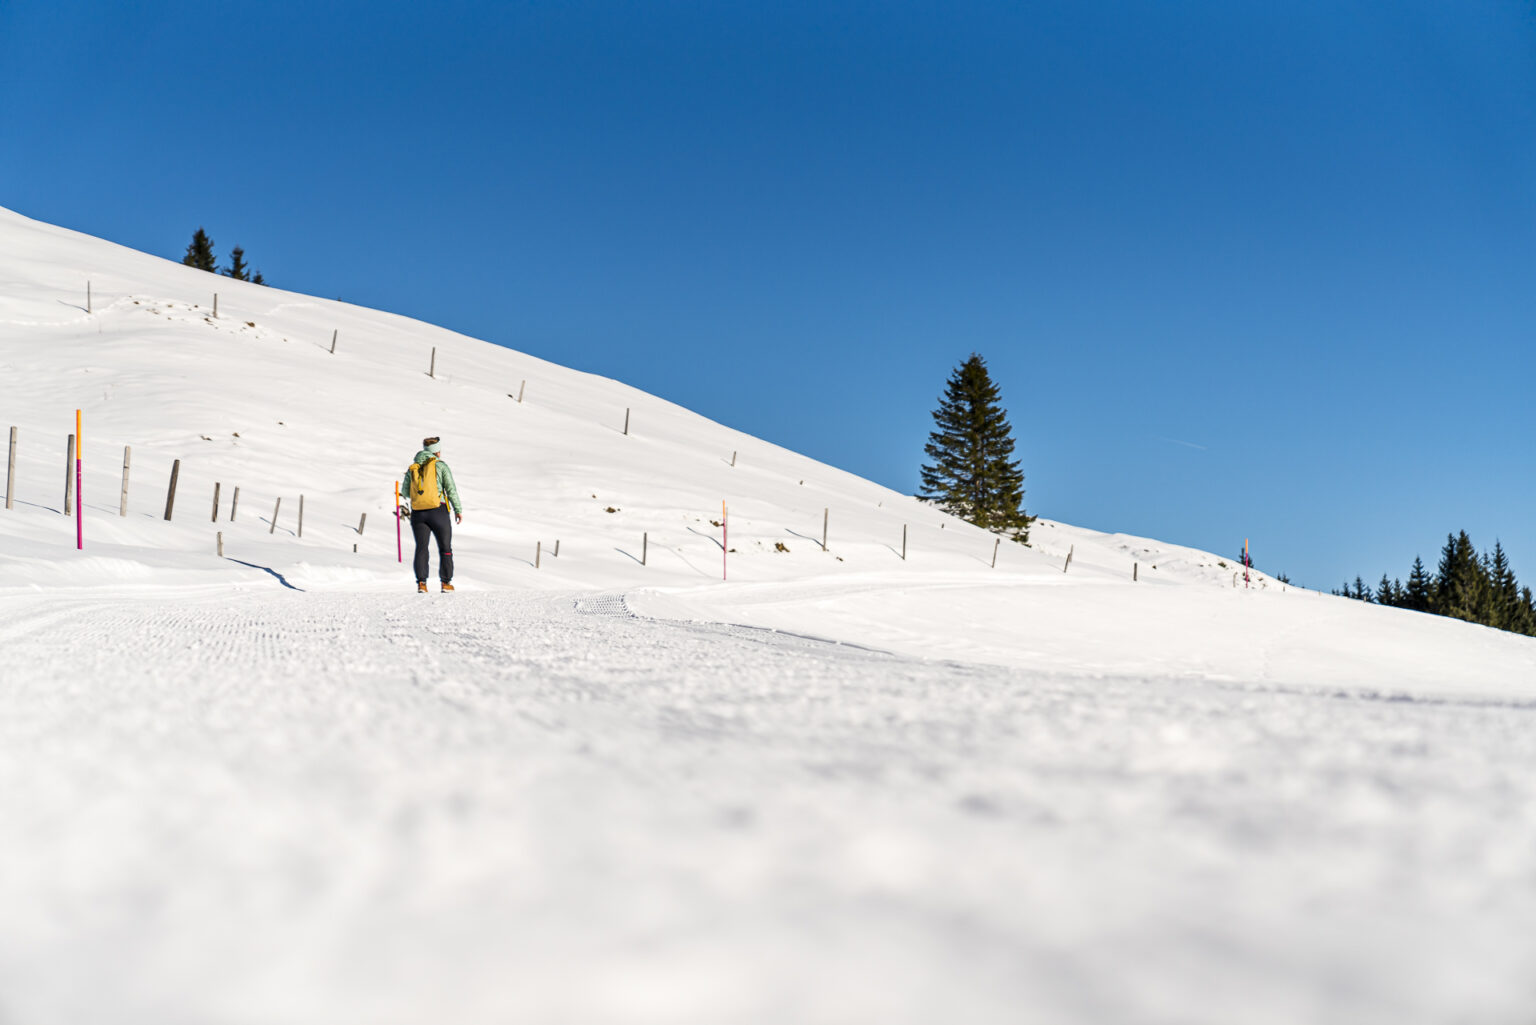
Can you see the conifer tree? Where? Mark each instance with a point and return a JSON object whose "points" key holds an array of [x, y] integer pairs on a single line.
{"points": [[1483, 598], [973, 474], [1504, 590], [1460, 582], [237, 265], [1419, 592], [1446, 570], [200, 253], [1525, 614], [257, 279], [1386, 593]]}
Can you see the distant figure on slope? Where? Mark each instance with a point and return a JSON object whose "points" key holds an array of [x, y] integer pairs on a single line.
{"points": [[429, 484]]}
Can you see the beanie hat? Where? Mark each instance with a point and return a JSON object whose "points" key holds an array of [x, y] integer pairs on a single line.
{"points": [[432, 445]]}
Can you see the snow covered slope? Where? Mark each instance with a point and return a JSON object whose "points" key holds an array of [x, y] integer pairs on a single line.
{"points": [[255, 399], [609, 786]]}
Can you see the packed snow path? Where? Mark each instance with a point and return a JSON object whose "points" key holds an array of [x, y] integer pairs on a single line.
{"points": [[490, 807]]}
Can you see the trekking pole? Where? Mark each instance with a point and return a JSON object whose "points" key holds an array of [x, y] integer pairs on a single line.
{"points": [[399, 551]]}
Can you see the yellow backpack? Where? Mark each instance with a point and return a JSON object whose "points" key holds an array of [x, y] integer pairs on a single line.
{"points": [[424, 490]]}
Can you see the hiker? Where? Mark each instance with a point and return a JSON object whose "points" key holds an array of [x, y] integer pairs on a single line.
{"points": [[429, 484]]}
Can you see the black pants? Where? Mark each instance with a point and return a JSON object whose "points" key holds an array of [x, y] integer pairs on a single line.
{"points": [[436, 523]]}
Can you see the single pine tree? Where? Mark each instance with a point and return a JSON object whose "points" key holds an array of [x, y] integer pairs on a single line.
{"points": [[1384, 593], [1460, 581], [973, 474], [237, 265], [200, 253], [257, 279], [1504, 590], [1360, 592], [1419, 592]]}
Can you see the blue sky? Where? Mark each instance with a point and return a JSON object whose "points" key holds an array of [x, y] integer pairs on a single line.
{"points": [[1240, 269]]}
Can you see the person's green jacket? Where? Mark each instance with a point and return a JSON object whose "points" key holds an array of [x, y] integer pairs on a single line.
{"points": [[444, 483]]}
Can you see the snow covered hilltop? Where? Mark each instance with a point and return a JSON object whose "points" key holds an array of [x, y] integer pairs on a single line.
{"points": [[607, 785]]}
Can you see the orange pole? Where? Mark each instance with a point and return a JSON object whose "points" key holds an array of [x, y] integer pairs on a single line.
{"points": [[79, 504]]}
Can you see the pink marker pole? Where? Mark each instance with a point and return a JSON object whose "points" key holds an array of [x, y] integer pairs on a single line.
{"points": [[79, 497], [399, 549]]}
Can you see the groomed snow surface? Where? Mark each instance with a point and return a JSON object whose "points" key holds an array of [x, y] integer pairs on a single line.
{"points": [[839, 787]]}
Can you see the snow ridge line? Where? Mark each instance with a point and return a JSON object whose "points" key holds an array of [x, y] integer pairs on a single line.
{"points": [[616, 605]]}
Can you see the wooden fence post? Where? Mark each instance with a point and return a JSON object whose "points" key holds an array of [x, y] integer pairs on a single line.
{"points": [[301, 515], [215, 501], [361, 520], [234, 504], [88, 297], [538, 554], [557, 548], [626, 421], [733, 458], [1135, 571], [221, 544], [10, 473], [170, 494], [273, 529], [432, 370], [520, 391], [645, 540], [69, 476], [215, 306], [903, 542], [333, 340], [122, 508], [1070, 550], [996, 544], [825, 513]]}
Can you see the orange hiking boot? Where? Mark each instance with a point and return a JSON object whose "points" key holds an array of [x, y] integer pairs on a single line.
{"points": [[421, 587], [447, 586]]}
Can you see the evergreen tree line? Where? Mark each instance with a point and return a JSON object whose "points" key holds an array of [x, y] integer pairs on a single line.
{"points": [[1466, 585], [200, 255]]}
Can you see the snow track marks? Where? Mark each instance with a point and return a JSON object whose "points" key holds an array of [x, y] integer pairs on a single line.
{"points": [[492, 806]]}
